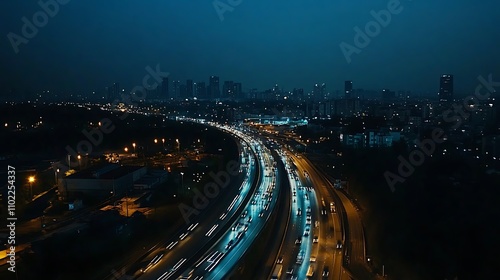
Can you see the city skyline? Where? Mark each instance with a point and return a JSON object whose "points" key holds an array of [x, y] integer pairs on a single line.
{"points": [[90, 56]]}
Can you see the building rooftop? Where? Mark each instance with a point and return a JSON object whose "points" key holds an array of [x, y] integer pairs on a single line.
{"points": [[105, 172]]}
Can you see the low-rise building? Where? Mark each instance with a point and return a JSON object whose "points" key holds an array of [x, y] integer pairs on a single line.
{"points": [[101, 181]]}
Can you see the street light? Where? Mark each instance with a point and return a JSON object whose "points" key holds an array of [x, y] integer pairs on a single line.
{"points": [[126, 150], [31, 180], [178, 145], [79, 162], [57, 176], [163, 141], [156, 141], [133, 145], [182, 180]]}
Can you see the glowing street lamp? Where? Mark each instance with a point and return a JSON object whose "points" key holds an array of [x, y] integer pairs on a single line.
{"points": [[31, 180], [156, 141], [126, 150], [133, 145], [79, 161], [57, 175]]}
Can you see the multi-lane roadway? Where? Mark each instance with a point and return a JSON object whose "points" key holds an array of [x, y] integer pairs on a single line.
{"points": [[323, 238]]}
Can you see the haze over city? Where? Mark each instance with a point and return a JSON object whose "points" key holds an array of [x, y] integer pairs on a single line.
{"points": [[237, 139], [295, 44]]}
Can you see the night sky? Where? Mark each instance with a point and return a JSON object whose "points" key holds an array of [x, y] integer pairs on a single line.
{"points": [[90, 44]]}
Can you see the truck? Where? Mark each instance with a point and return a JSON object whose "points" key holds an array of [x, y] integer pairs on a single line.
{"points": [[277, 272], [310, 271]]}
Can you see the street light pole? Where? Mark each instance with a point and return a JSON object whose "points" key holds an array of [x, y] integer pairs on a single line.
{"points": [[182, 180], [31, 179]]}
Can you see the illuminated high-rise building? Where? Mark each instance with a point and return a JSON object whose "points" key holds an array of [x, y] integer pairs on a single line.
{"points": [[446, 88]]}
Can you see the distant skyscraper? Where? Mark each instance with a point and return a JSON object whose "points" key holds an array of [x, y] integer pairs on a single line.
{"points": [[446, 88], [113, 92], [201, 90], [238, 91], [182, 91], [348, 88], [189, 89], [214, 89], [298, 93], [176, 85], [319, 91], [164, 89], [228, 89]]}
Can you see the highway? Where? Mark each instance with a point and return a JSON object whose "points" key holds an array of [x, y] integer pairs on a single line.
{"points": [[298, 246], [230, 248], [354, 249], [330, 227], [346, 223], [179, 250]]}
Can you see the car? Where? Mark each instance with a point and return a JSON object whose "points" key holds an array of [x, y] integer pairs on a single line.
{"points": [[235, 227], [306, 233], [339, 244], [249, 219], [280, 260], [294, 194], [244, 214], [326, 271], [298, 241], [312, 259], [315, 239], [290, 271], [229, 245], [261, 214]]}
